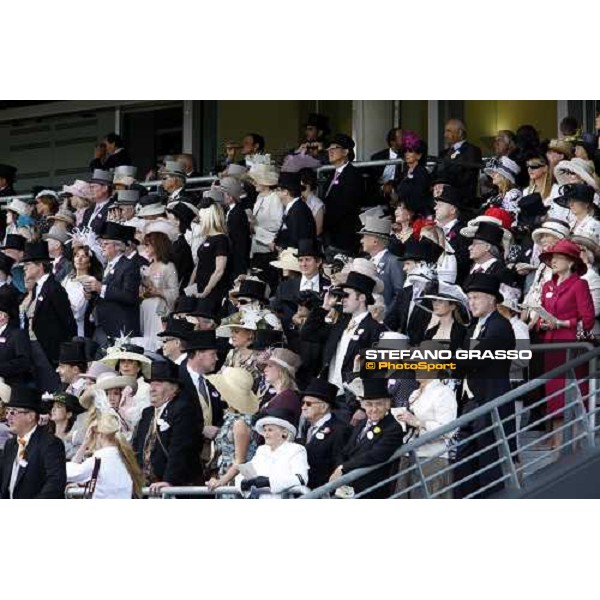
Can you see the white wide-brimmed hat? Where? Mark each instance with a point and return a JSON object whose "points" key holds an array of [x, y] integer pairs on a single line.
{"points": [[162, 226], [79, 188], [556, 227], [151, 210], [235, 386], [279, 417], [287, 260], [589, 238], [107, 381], [117, 353], [504, 166], [263, 174], [584, 169], [5, 391], [19, 207]]}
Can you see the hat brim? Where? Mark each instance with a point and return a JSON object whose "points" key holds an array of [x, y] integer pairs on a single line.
{"points": [[242, 400], [117, 381], [261, 423], [374, 233], [113, 359], [540, 231], [498, 295], [561, 175], [285, 266], [580, 266], [154, 212]]}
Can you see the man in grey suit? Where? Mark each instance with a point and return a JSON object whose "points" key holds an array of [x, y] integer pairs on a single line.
{"points": [[375, 240]]}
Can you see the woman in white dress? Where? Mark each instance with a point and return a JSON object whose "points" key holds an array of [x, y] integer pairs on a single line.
{"points": [[160, 284], [112, 470]]}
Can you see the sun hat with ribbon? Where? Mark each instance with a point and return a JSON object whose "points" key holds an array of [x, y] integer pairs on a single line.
{"points": [[504, 166], [19, 207], [584, 169], [235, 386]]}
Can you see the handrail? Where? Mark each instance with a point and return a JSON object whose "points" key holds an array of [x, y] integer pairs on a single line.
{"points": [[493, 405]]}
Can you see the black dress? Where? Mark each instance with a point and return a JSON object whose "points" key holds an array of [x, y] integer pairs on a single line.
{"points": [[213, 246]]}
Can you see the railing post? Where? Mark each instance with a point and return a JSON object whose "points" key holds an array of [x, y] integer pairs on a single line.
{"points": [[508, 466], [421, 475], [592, 402]]}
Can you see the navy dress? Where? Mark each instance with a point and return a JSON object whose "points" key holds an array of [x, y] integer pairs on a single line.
{"points": [[213, 246]]}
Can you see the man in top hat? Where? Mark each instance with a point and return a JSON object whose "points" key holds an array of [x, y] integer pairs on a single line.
{"points": [[14, 248], [173, 338], [131, 247], [310, 259], [15, 350], [167, 440], [238, 228], [201, 348], [486, 249], [33, 462], [375, 241], [117, 155], [49, 315], [122, 209], [484, 380], [101, 189], [173, 180], [124, 177], [8, 292], [447, 216], [354, 332], [343, 198], [298, 221], [117, 306], [61, 265], [72, 364], [324, 435], [372, 441], [460, 162]]}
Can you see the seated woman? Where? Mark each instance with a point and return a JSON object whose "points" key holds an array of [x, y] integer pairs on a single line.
{"points": [[64, 411], [234, 443], [19, 220], [280, 373], [47, 203], [503, 172], [279, 464], [111, 472], [579, 199]]}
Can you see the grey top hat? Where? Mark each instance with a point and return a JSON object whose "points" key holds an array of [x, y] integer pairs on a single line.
{"points": [[103, 177], [125, 171], [127, 197], [173, 167], [377, 226], [58, 234]]}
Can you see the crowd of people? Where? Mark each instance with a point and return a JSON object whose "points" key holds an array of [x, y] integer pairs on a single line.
{"points": [[177, 338]]}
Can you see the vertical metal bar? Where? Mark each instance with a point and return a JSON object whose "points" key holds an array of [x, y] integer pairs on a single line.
{"points": [[421, 475], [562, 110], [592, 400], [433, 126], [118, 119], [188, 126], [508, 466], [396, 115]]}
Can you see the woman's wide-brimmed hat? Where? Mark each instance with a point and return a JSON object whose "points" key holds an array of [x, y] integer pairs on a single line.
{"points": [[162, 226], [263, 174], [281, 417], [440, 290], [19, 207], [561, 146], [64, 215], [79, 188], [107, 381], [569, 249], [582, 192], [392, 340], [286, 359], [70, 401], [485, 283], [288, 260], [556, 227], [127, 352], [235, 386], [151, 205], [504, 166], [5, 392], [589, 238], [584, 169]]}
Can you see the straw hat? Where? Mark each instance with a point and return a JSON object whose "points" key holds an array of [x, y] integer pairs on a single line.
{"points": [[263, 174], [286, 359], [584, 169], [561, 146], [107, 381], [287, 260], [235, 386], [127, 352], [64, 215], [20, 207]]}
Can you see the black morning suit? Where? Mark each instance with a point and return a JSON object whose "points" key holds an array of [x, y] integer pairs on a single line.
{"points": [[364, 452], [175, 457], [487, 380], [15, 356], [325, 450], [462, 171], [119, 310], [397, 318], [343, 202], [97, 223], [297, 224], [183, 261], [45, 475]]}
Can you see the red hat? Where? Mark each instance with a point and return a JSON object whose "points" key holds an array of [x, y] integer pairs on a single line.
{"points": [[502, 215], [566, 248]]}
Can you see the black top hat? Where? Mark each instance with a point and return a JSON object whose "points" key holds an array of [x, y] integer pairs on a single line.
{"points": [[71, 353], [321, 388], [36, 252], [177, 328], [201, 340], [203, 307], [14, 241], [90, 346], [486, 283], [449, 195], [490, 233], [8, 172], [374, 388], [266, 338], [70, 401], [6, 263], [251, 288], [184, 305], [575, 191], [421, 250], [26, 398], [309, 247], [116, 231], [164, 370], [319, 121], [343, 140], [362, 284], [290, 182]]}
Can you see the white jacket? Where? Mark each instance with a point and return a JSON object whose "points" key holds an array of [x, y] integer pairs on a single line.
{"points": [[268, 216], [282, 466], [434, 406]]}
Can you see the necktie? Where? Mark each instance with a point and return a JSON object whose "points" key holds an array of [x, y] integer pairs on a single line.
{"points": [[205, 401], [333, 181], [366, 428], [311, 431], [477, 270], [149, 444], [351, 326], [22, 445]]}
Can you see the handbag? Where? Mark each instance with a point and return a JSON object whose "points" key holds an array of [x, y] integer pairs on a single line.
{"points": [[90, 486]]}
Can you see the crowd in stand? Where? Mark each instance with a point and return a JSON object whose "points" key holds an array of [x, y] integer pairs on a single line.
{"points": [[177, 337]]}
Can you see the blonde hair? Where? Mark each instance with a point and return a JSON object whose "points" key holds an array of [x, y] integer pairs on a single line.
{"points": [[504, 184], [212, 220], [129, 460]]}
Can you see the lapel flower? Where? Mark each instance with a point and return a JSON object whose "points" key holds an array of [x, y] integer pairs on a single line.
{"points": [[162, 425], [376, 429], [40, 298], [370, 435], [326, 430], [23, 463], [360, 331]]}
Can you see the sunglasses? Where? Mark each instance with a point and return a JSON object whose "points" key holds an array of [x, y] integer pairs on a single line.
{"points": [[309, 403], [244, 301], [535, 167], [17, 411]]}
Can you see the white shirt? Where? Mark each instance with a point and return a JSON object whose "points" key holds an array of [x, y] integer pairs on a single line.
{"points": [[282, 466], [377, 259], [113, 482], [97, 208], [181, 358], [268, 214], [109, 267], [315, 204], [15, 468], [312, 284], [485, 266], [2, 329], [449, 225], [316, 426], [335, 368], [38, 286], [390, 170]]}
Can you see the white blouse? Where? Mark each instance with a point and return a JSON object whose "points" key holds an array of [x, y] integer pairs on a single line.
{"points": [[113, 482], [268, 216]]}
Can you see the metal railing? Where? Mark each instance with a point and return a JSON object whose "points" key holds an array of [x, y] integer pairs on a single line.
{"points": [[492, 455]]}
